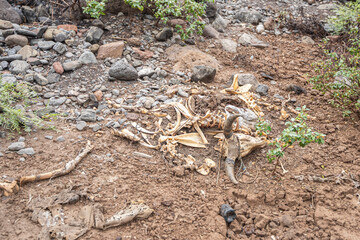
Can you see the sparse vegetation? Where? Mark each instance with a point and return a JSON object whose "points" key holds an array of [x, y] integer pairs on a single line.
{"points": [[14, 100], [95, 8], [339, 73], [298, 132], [262, 127], [190, 10]]}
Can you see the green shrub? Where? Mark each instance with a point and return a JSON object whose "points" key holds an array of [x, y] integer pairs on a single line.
{"points": [[12, 118], [298, 132], [94, 8], [339, 73], [191, 10]]}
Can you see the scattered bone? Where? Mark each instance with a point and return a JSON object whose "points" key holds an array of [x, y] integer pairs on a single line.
{"points": [[137, 210], [8, 188], [49, 213], [205, 168], [142, 155], [188, 139]]}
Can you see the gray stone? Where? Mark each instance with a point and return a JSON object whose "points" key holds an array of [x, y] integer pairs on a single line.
{"points": [[60, 139], [72, 65], [7, 32], [146, 102], [247, 16], [211, 10], [9, 79], [1, 154], [146, 72], [161, 98], [41, 31], [49, 137], [203, 74], [53, 77], [11, 58], [60, 48], [210, 32], [88, 115], [229, 45], [81, 125], [95, 127], [115, 92], [69, 54], [27, 33], [16, 146], [46, 45], [164, 34], [19, 67], [22, 159], [21, 139], [122, 70], [98, 23], [60, 37], [87, 58], [57, 101], [246, 39], [27, 151], [219, 24], [82, 98], [4, 64], [262, 90], [29, 13], [8, 13], [94, 34], [247, 78], [276, 95], [40, 79]]}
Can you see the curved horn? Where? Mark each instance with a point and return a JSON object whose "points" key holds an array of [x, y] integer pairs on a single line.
{"points": [[229, 169], [228, 125]]}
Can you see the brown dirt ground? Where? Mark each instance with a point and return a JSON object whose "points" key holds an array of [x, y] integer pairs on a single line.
{"points": [[187, 206]]}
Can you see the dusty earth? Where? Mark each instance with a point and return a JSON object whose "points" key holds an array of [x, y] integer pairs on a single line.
{"points": [[318, 198]]}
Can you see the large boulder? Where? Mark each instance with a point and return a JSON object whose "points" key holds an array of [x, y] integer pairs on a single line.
{"points": [[8, 13], [122, 70]]}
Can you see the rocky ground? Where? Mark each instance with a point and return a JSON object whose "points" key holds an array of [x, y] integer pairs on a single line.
{"points": [[98, 75]]}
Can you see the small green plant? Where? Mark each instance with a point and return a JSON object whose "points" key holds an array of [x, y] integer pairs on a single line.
{"points": [[262, 127], [14, 99], [191, 10], [95, 8], [339, 73], [298, 132]]}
